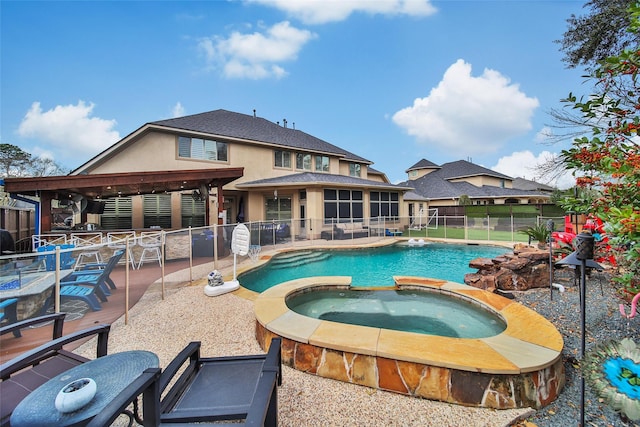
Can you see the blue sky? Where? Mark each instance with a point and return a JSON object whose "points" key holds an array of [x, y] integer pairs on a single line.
{"points": [[393, 81]]}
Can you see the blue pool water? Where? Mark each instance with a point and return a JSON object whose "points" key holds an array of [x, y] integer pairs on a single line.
{"points": [[421, 312], [371, 266]]}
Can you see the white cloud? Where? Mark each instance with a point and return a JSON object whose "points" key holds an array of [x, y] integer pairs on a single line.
{"points": [[178, 110], [544, 135], [524, 164], [257, 55], [43, 153], [469, 115], [323, 11], [68, 129]]}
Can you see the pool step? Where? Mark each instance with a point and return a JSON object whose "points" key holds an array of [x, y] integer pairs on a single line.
{"points": [[298, 258]]}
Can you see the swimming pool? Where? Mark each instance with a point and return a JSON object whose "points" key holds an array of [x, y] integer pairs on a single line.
{"points": [[371, 266]]}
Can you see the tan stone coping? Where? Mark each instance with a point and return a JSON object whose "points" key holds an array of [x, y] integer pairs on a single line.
{"points": [[529, 343]]}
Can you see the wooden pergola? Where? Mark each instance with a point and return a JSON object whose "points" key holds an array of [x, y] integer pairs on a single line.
{"points": [[108, 185]]}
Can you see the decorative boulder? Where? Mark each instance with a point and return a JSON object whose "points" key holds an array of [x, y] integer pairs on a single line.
{"points": [[526, 268]]}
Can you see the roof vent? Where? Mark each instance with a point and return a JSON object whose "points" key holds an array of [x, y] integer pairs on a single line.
{"points": [[254, 113]]}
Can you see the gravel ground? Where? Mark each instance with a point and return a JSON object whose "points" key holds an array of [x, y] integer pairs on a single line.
{"points": [[225, 325], [603, 322]]}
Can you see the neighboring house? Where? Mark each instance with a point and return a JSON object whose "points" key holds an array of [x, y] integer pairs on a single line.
{"points": [[437, 186], [525, 184], [288, 174]]}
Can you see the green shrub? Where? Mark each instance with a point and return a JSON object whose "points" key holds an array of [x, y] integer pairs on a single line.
{"points": [[537, 233]]}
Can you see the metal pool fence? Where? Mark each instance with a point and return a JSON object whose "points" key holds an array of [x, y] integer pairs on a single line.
{"points": [[68, 271]]}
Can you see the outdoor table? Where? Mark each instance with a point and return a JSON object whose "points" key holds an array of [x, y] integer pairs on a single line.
{"points": [[112, 374], [38, 283]]}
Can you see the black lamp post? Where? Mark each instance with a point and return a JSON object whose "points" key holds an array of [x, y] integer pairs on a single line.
{"points": [[582, 257], [550, 227]]}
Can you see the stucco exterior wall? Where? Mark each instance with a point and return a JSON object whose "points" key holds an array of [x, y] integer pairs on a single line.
{"points": [[153, 150], [415, 174], [479, 181]]}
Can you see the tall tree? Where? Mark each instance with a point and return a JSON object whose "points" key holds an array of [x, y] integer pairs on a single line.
{"points": [[589, 40], [599, 34], [45, 166], [13, 160], [606, 160]]}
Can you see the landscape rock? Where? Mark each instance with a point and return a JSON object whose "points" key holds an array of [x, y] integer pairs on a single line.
{"points": [[526, 268]]}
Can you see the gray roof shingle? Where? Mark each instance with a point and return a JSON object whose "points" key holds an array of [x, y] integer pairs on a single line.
{"points": [[324, 178], [423, 164], [465, 169], [438, 185], [243, 126], [525, 184]]}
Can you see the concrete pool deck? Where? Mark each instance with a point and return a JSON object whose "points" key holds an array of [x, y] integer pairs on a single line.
{"points": [[520, 367]]}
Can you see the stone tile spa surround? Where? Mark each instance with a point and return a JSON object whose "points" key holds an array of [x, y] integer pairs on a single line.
{"points": [[520, 367]]}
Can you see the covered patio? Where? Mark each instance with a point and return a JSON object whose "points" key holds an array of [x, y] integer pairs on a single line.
{"points": [[98, 187]]}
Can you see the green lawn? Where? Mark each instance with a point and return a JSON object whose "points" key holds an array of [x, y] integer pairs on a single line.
{"points": [[473, 234]]}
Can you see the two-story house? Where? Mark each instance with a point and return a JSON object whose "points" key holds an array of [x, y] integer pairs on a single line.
{"points": [[287, 174]]}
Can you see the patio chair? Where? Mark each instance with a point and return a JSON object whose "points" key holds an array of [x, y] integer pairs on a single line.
{"points": [[90, 288], [118, 240], [105, 267], [150, 242], [9, 312], [38, 240], [222, 388], [26, 372], [241, 390], [67, 261], [147, 385], [96, 280], [92, 242], [56, 318]]}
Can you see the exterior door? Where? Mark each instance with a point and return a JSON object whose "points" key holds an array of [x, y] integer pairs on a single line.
{"points": [[303, 225]]}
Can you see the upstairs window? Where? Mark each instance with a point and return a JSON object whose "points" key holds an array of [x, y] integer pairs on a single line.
{"points": [[282, 159], [322, 163], [202, 149], [303, 161], [354, 169]]}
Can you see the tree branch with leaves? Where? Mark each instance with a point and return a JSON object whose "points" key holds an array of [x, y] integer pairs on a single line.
{"points": [[15, 162], [606, 161]]}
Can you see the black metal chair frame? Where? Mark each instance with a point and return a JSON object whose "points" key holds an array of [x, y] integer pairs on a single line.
{"points": [[24, 373], [261, 390], [180, 402]]}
